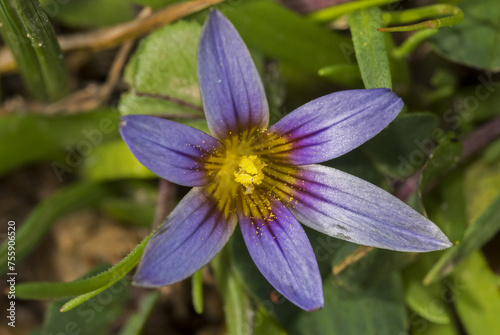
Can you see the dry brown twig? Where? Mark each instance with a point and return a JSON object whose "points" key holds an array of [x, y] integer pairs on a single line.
{"points": [[108, 38], [125, 34]]}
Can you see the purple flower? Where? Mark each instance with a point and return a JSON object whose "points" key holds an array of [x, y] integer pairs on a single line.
{"points": [[262, 178]]}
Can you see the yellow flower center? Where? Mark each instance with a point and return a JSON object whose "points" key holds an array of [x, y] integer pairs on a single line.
{"points": [[244, 175], [250, 173]]}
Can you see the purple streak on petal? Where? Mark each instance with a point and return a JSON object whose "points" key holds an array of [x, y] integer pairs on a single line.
{"points": [[192, 235], [173, 151], [283, 254], [341, 205], [232, 93], [332, 125]]}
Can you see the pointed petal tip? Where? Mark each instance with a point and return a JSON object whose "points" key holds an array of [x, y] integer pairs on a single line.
{"points": [[313, 306]]}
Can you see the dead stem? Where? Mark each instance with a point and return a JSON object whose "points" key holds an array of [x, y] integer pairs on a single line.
{"points": [[107, 38]]}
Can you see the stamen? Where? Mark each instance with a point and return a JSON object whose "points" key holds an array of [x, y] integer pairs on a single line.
{"points": [[249, 173]]}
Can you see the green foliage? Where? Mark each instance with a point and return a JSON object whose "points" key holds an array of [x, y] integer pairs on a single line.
{"points": [[76, 13], [477, 296], [92, 318], [379, 310], [367, 291], [475, 236], [170, 51], [402, 147], [370, 48], [480, 30], [34, 138], [84, 288], [285, 36], [137, 321], [197, 291], [26, 29]]}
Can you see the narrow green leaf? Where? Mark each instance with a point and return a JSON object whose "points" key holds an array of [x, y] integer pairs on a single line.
{"points": [[237, 307], [197, 291], [66, 200], [476, 295], [26, 29], [370, 48], [93, 318], [480, 232], [83, 287], [89, 13], [412, 42], [334, 12], [455, 16], [137, 321]]}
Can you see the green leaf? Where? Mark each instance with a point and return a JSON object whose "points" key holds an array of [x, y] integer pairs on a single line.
{"points": [[426, 301], [446, 206], [163, 75], [32, 138], [93, 318], [434, 329], [137, 321], [27, 31], [86, 288], [89, 13], [477, 296], [482, 182], [197, 291], [492, 152], [372, 268], [281, 34], [112, 161], [475, 236], [421, 301], [479, 30], [40, 220], [380, 310], [402, 148], [370, 49], [237, 307], [442, 160]]}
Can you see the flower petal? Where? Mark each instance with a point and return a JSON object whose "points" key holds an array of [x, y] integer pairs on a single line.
{"points": [[341, 205], [280, 249], [173, 151], [231, 90], [332, 125], [192, 235]]}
